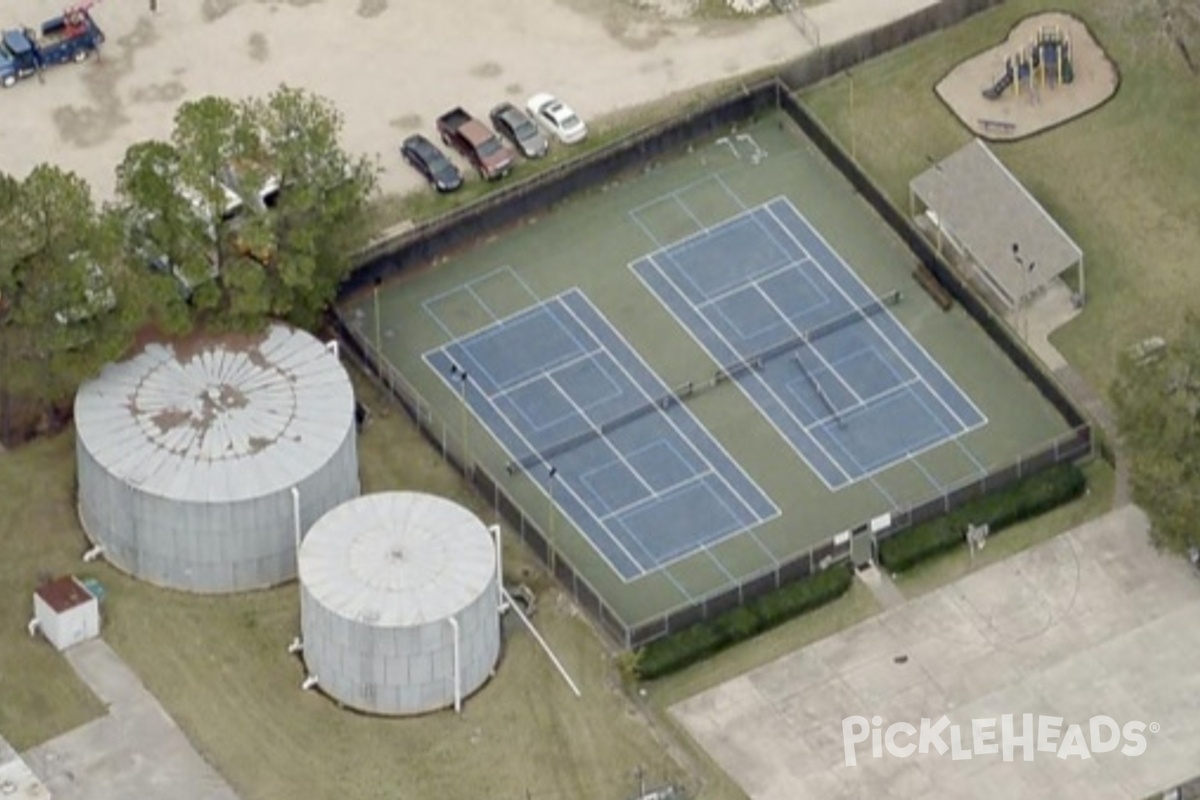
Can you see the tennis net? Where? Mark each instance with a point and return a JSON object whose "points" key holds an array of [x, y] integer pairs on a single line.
{"points": [[691, 388], [816, 387]]}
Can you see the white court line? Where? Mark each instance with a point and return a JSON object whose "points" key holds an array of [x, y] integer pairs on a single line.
{"points": [[528, 290], [499, 327], [478, 299], [806, 344], [599, 431], [683, 407], [870, 402], [742, 205], [567, 486], [662, 198], [679, 202], [866, 317], [854, 276], [734, 519], [978, 465], [656, 495], [756, 376], [721, 182], [692, 239], [924, 472], [657, 244], [725, 294], [466, 286], [505, 391], [911, 453]]}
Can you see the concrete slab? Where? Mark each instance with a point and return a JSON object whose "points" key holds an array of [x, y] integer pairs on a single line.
{"points": [[136, 752], [1094, 623]]}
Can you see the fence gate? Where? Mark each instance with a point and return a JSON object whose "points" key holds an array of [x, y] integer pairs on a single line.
{"points": [[862, 547]]}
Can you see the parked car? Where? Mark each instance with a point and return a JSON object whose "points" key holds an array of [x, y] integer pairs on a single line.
{"points": [[424, 156], [490, 157], [513, 124], [557, 118]]}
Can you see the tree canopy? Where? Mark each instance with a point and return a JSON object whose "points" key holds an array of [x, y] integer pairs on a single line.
{"points": [[253, 206], [1157, 400], [252, 211], [69, 300]]}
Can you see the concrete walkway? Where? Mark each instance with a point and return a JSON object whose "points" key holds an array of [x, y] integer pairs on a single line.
{"points": [[1052, 309], [1092, 623], [881, 586], [136, 752]]}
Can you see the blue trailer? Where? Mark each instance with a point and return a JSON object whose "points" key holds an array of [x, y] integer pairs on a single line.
{"points": [[71, 37]]}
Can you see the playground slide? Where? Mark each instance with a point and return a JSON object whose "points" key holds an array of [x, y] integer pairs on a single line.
{"points": [[996, 89]]}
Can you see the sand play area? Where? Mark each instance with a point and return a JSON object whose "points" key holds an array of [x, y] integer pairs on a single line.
{"points": [[1034, 98]]}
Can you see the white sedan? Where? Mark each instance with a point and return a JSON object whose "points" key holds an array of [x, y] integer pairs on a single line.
{"points": [[557, 118]]}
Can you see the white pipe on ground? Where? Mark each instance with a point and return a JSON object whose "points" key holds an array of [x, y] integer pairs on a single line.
{"points": [[553, 658], [332, 347], [309, 683], [93, 554], [457, 675], [33, 627], [296, 646], [495, 531]]}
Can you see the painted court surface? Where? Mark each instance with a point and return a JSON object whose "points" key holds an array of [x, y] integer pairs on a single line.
{"points": [[1092, 623], [641, 477], [779, 313], [859, 394], [689, 379]]}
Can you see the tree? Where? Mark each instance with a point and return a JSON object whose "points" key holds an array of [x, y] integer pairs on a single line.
{"points": [[164, 232], [70, 303], [255, 203], [1157, 401]]}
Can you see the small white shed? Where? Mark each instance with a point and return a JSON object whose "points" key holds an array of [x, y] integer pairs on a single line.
{"points": [[66, 612]]}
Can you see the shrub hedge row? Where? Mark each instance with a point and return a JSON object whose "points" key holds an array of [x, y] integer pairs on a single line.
{"points": [[672, 653], [1026, 498]]}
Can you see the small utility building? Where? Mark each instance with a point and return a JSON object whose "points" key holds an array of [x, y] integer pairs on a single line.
{"points": [[981, 214], [66, 612]]}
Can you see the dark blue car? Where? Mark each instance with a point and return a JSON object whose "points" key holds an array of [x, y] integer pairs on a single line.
{"points": [[427, 159]]}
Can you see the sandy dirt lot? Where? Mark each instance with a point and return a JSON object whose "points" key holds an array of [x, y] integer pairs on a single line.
{"points": [[391, 67], [1036, 108]]}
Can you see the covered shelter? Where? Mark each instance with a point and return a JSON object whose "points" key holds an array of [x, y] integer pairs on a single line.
{"points": [[974, 206]]}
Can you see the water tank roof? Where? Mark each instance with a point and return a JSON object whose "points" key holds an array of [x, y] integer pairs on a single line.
{"points": [[218, 419], [397, 559]]}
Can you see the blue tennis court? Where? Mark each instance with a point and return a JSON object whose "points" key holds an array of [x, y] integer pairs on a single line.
{"points": [[819, 354], [579, 411]]}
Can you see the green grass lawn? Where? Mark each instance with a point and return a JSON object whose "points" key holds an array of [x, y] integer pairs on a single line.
{"points": [[40, 697], [1120, 180], [219, 665]]}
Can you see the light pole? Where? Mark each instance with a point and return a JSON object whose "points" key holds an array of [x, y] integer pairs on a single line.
{"points": [[550, 528], [378, 328], [853, 128], [1025, 270], [460, 374]]}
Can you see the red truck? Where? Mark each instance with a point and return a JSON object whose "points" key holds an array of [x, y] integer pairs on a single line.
{"points": [[489, 155]]}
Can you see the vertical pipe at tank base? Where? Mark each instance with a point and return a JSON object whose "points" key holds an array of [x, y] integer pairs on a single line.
{"points": [[457, 675], [296, 521], [495, 531]]}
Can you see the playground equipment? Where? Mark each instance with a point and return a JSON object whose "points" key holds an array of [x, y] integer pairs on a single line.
{"points": [[1047, 59]]}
